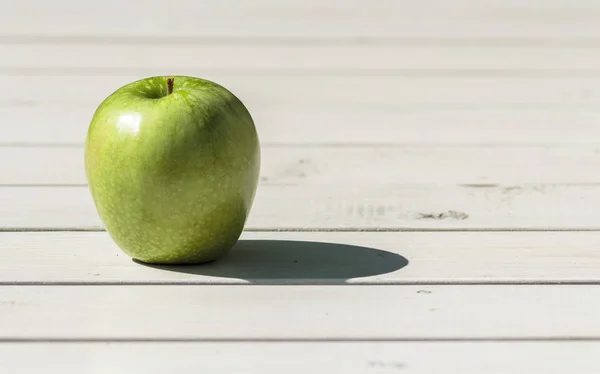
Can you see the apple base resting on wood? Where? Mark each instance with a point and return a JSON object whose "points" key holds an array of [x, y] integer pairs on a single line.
{"points": [[172, 165]]}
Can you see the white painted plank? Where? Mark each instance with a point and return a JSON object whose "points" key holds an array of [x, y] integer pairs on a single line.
{"points": [[292, 109], [315, 258], [347, 124], [342, 207], [330, 18], [261, 90], [349, 165], [289, 109], [300, 358], [179, 58], [338, 187], [299, 312]]}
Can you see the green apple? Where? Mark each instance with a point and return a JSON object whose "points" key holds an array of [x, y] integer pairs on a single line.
{"points": [[172, 165]]}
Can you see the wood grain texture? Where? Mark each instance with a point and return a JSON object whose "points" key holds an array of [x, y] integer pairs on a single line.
{"points": [[315, 258], [299, 312], [299, 358], [356, 19]]}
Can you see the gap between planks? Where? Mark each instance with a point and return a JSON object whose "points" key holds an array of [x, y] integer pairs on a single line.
{"points": [[274, 40], [293, 341], [336, 229]]}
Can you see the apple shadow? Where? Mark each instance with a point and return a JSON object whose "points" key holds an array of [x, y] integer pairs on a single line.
{"points": [[295, 262]]}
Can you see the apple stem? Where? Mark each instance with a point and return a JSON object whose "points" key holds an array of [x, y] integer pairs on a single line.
{"points": [[170, 86]]}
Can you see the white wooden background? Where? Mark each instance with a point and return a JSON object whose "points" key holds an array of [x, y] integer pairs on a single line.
{"points": [[429, 196]]}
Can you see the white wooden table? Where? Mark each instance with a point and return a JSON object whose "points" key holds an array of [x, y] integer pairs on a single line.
{"points": [[429, 198]]}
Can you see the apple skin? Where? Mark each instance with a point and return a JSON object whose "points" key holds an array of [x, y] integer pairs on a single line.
{"points": [[173, 176]]}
